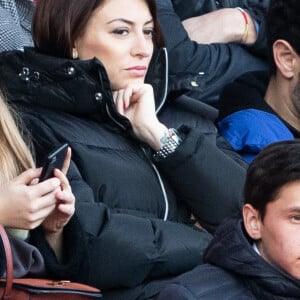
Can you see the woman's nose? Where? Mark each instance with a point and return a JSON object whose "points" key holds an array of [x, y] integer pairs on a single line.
{"points": [[143, 46]]}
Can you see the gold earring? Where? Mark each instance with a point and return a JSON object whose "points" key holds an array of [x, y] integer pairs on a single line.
{"points": [[74, 53]]}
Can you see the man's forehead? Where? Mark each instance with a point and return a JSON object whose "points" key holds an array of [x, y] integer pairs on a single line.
{"points": [[287, 198]]}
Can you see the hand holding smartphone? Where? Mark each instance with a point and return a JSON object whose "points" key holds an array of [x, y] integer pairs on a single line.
{"points": [[54, 160]]}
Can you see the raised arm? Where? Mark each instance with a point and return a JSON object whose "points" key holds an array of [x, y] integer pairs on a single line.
{"points": [[222, 26], [207, 67]]}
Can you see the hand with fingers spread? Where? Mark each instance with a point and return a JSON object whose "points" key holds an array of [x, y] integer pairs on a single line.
{"points": [[136, 102]]}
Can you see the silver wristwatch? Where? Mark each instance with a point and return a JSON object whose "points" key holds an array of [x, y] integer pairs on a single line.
{"points": [[170, 141]]}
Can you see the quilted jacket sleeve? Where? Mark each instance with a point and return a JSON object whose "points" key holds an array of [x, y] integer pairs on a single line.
{"points": [[213, 188]]}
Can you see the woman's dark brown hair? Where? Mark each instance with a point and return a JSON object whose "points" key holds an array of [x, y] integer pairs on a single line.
{"points": [[57, 24]]}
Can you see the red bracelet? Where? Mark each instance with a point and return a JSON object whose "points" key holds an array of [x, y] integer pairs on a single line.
{"points": [[246, 31]]}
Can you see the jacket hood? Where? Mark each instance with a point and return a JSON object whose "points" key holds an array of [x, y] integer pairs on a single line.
{"points": [[231, 249], [75, 86]]}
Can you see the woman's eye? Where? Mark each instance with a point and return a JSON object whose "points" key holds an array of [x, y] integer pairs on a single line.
{"points": [[296, 218], [121, 31], [149, 32]]}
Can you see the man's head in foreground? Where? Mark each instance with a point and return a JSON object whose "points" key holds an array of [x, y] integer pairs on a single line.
{"points": [[271, 211]]}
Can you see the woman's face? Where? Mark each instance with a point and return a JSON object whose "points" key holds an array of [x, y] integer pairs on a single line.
{"points": [[119, 34]]}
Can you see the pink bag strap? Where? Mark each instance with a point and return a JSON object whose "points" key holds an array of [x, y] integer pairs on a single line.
{"points": [[9, 263]]}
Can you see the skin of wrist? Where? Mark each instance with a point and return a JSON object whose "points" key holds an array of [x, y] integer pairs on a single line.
{"points": [[153, 134]]}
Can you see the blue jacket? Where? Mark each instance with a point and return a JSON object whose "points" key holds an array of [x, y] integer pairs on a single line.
{"points": [[250, 130]]}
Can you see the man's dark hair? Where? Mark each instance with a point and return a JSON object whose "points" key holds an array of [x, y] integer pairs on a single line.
{"points": [[283, 22], [275, 166], [57, 24]]}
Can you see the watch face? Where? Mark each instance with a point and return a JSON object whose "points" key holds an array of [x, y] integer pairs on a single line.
{"points": [[170, 141], [168, 134], [164, 139]]}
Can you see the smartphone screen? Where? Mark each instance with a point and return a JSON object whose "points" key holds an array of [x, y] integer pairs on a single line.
{"points": [[54, 160]]}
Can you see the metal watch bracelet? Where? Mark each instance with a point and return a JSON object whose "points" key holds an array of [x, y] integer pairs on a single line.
{"points": [[170, 141]]}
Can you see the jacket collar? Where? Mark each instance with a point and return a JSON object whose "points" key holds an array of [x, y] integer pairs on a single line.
{"points": [[75, 79], [72, 86], [157, 76]]}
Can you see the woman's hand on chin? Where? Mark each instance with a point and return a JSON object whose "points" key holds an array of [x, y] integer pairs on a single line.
{"points": [[136, 102]]}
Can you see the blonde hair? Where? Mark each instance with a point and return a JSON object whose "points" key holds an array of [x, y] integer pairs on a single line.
{"points": [[15, 155]]}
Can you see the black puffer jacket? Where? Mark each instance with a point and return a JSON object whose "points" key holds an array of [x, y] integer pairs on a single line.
{"points": [[120, 193], [235, 271], [202, 70]]}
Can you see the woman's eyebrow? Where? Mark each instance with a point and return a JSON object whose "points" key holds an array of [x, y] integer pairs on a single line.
{"points": [[127, 21]]}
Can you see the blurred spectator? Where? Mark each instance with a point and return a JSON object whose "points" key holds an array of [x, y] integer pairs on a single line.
{"points": [[257, 109], [202, 70], [15, 27]]}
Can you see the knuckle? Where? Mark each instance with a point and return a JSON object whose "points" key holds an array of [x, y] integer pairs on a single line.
{"points": [[32, 208], [54, 183], [28, 195], [29, 222]]}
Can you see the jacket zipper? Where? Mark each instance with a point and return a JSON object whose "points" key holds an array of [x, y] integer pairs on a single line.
{"points": [[162, 186], [166, 82]]}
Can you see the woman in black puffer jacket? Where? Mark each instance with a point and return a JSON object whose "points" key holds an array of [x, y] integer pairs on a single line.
{"points": [[135, 208]]}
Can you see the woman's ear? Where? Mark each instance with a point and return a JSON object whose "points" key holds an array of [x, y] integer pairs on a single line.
{"points": [[252, 221], [285, 58]]}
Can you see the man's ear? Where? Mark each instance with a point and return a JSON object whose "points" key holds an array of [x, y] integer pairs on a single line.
{"points": [[252, 221], [285, 58]]}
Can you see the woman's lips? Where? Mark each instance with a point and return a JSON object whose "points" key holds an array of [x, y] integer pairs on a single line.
{"points": [[137, 71]]}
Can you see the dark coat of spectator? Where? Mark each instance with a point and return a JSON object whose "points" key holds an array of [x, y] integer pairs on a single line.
{"points": [[15, 27], [202, 70], [188, 9]]}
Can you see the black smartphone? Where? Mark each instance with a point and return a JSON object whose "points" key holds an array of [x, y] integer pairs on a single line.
{"points": [[54, 160]]}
